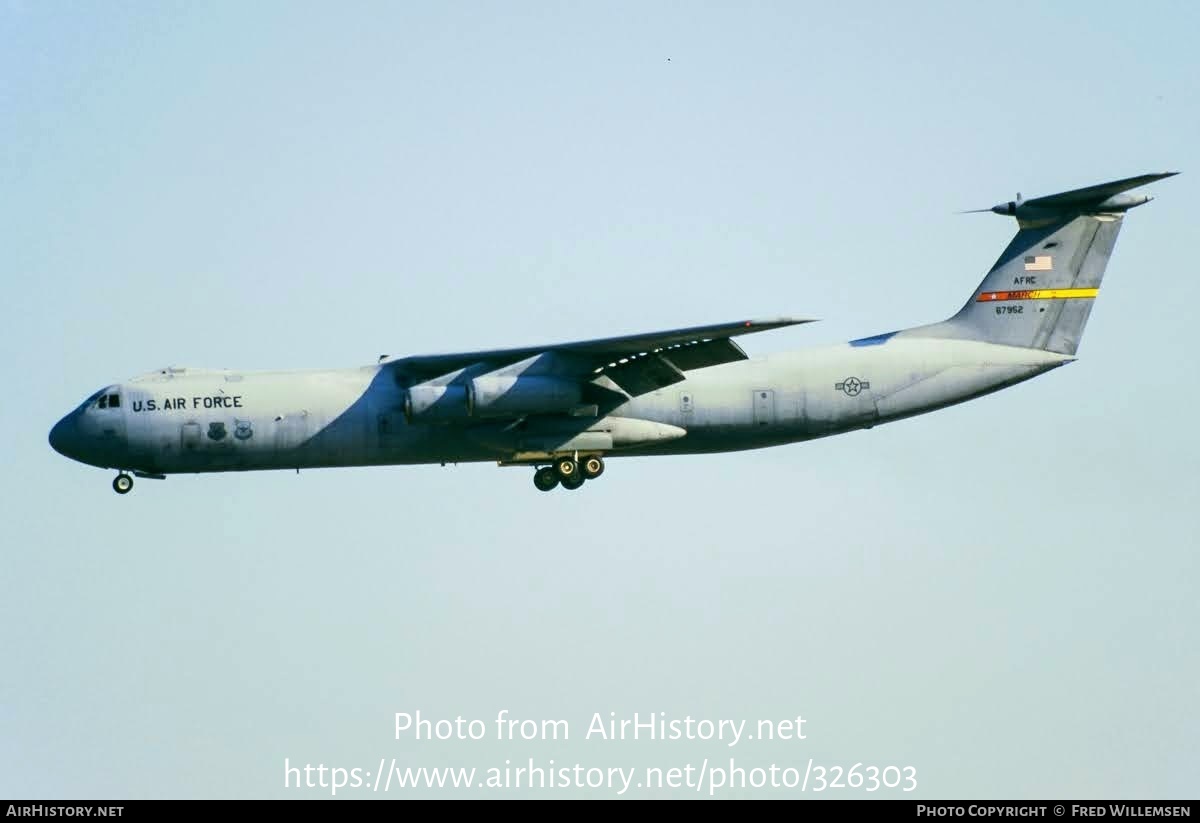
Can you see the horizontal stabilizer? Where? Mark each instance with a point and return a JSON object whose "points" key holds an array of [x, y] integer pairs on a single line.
{"points": [[1104, 198], [1095, 195]]}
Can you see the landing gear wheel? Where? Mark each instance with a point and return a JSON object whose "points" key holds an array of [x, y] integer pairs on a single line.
{"points": [[122, 483], [545, 478], [573, 482], [566, 467], [592, 467]]}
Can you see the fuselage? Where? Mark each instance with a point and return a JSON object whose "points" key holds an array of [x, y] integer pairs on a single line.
{"points": [[197, 420]]}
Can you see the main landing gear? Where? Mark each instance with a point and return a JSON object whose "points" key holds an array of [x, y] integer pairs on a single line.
{"points": [[568, 472], [122, 483]]}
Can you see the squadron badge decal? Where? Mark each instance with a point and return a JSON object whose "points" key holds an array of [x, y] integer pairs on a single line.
{"points": [[216, 431], [242, 430]]}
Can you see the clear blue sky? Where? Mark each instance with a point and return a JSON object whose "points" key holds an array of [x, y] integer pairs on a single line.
{"points": [[1002, 594]]}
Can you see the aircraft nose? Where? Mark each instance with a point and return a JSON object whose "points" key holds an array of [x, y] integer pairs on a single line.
{"points": [[63, 435]]}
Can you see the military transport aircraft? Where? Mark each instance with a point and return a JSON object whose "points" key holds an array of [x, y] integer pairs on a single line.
{"points": [[563, 408]]}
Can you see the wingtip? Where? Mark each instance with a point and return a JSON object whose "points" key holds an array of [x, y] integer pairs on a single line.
{"points": [[779, 321]]}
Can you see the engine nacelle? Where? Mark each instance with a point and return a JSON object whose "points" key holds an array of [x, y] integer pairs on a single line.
{"points": [[434, 404], [497, 396]]}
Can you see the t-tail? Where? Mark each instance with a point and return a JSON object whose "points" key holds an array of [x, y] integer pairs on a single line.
{"points": [[1040, 291]]}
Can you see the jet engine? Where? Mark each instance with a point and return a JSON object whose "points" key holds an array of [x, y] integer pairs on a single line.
{"points": [[428, 403], [503, 396]]}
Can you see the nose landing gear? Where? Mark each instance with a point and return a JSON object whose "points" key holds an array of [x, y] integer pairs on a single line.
{"points": [[568, 472], [122, 483]]}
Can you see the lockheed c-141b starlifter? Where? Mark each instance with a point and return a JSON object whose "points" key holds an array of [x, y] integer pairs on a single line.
{"points": [[564, 408]]}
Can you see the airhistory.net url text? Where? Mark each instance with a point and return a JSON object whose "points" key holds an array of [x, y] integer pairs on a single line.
{"points": [[705, 778]]}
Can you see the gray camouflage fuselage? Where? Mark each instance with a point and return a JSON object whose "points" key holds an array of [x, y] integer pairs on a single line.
{"points": [[203, 421]]}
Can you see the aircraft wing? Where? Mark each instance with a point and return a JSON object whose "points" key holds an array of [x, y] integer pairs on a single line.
{"points": [[638, 363]]}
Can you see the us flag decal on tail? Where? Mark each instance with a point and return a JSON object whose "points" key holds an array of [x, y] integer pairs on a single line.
{"points": [[1039, 263]]}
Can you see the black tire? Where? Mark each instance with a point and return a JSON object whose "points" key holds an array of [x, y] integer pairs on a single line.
{"points": [[566, 467], [592, 467], [573, 482], [545, 478], [122, 484]]}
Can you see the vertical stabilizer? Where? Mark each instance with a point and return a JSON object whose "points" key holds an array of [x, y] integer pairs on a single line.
{"points": [[1041, 290]]}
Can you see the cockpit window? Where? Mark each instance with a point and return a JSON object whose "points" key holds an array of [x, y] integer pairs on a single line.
{"points": [[103, 401], [114, 401]]}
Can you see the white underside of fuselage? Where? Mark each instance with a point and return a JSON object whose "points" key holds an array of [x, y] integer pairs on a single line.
{"points": [[205, 421]]}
